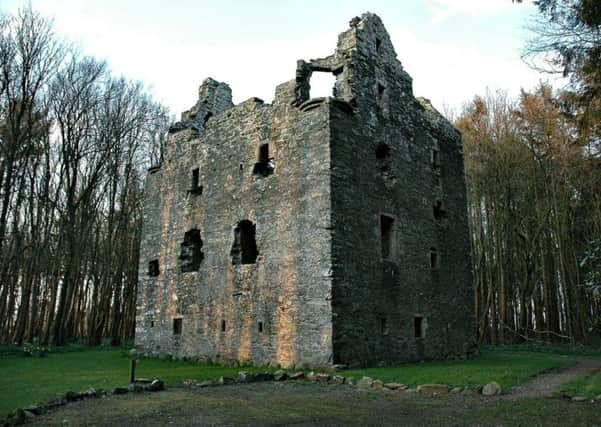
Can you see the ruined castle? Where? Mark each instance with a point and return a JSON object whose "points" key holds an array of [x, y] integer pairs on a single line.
{"points": [[310, 232]]}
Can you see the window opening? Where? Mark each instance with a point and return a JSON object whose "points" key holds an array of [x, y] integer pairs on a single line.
{"points": [[381, 90], [383, 325], [378, 46], [195, 187], [435, 158], [223, 326], [191, 251], [382, 152], [244, 250], [153, 268], [177, 326], [439, 212], [207, 117], [418, 331], [152, 323], [434, 259], [386, 235], [260, 327], [322, 84], [265, 164]]}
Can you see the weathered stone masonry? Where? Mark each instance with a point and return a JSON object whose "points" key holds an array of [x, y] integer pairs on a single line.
{"points": [[310, 231]]}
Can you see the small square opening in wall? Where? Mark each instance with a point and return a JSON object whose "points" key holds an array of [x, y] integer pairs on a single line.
{"points": [[260, 327], [223, 326], [153, 268], [434, 259], [387, 235], [178, 324], [418, 327]]}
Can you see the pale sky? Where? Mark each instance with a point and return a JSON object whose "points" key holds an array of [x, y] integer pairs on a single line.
{"points": [[453, 49]]}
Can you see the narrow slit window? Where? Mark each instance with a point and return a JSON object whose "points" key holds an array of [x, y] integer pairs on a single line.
{"points": [[195, 187], [383, 325], [418, 330], [177, 326], [378, 46], [386, 235], [223, 326], [153, 268], [434, 259], [435, 158], [381, 91], [260, 327], [152, 323]]}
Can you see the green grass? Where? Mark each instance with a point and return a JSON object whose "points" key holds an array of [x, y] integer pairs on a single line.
{"points": [[559, 349], [28, 380], [506, 368], [586, 385]]}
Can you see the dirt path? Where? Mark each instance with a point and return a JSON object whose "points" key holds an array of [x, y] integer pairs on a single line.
{"points": [[546, 385]]}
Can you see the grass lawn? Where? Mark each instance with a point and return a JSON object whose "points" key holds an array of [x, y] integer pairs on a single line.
{"points": [[506, 368], [588, 386], [29, 380]]}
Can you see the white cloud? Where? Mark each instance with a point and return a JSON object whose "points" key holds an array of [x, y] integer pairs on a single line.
{"points": [[450, 75], [441, 10]]}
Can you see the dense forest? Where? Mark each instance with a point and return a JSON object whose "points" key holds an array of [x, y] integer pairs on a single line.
{"points": [[75, 143]]}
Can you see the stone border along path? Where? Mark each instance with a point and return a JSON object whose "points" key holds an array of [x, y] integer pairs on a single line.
{"points": [[546, 385]]}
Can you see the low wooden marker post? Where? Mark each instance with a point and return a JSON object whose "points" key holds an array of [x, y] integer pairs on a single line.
{"points": [[132, 367]]}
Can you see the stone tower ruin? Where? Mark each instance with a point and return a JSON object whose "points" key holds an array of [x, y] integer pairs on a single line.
{"points": [[310, 232]]}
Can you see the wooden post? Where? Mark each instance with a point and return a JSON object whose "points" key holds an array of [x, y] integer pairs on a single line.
{"points": [[132, 371], [132, 367]]}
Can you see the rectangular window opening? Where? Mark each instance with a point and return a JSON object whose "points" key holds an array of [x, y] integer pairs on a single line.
{"points": [[260, 327], [434, 259], [439, 212], [195, 187], [152, 323], [322, 84], [386, 235], [153, 268], [223, 326], [177, 325], [383, 325], [265, 164], [418, 327], [435, 158], [378, 46]]}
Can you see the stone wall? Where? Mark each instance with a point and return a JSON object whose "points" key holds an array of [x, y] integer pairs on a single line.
{"points": [[350, 203], [393, 161]]}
